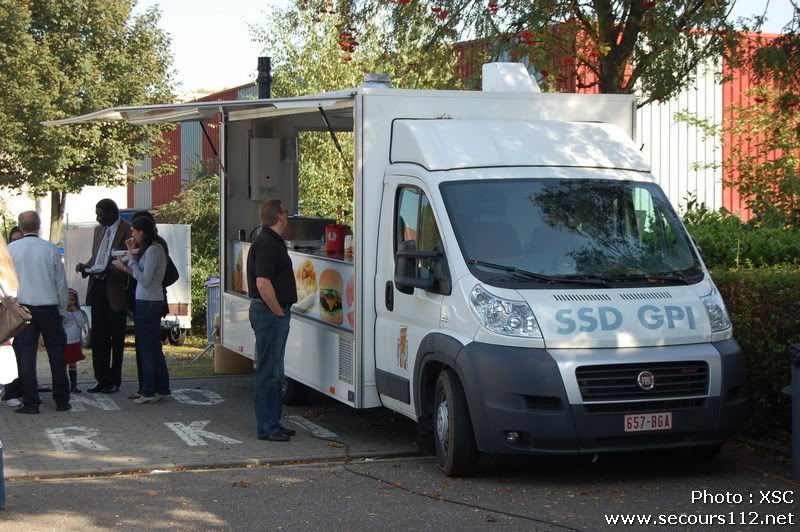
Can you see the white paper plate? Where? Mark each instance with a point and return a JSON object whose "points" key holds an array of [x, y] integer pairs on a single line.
{"points": [[306, 303]]}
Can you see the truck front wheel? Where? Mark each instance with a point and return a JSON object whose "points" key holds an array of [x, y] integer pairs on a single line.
{"points": [[295, 393], [452, 428]]}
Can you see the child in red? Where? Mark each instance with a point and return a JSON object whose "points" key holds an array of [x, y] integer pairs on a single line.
{"points": [[74, 321]]}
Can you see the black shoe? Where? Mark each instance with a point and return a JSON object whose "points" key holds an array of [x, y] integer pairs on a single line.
{"points": [[96, 389], [63, 407], [74, 389], [27, 409], [288, 432], [277, 436], [111, 388]]}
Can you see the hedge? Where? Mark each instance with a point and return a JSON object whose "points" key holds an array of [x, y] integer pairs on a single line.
{"points": [[764, 305]]}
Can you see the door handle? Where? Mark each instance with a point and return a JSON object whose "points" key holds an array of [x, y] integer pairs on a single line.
{"points": [[389, 296]]}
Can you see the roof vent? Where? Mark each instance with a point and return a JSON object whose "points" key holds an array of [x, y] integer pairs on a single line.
{"points": [[377, 80], [508, 77]]}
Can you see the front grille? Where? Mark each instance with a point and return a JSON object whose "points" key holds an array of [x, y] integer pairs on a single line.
{"points": [[618, 382], [666, 405]]}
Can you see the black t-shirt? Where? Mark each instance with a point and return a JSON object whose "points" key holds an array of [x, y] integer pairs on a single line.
{"points": [[268, 258]]}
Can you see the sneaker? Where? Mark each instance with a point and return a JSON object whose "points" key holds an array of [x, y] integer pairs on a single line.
{"points": [[27, 409], [144, 399], [160, 396], [63, 407], [13, 402], [134, 395], [75, 389]]}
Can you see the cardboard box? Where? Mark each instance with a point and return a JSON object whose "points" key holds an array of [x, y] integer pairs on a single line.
{"points": [[229, 362]]}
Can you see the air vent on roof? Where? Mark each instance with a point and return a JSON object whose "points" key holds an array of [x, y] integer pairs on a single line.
{"points": [[582, 297], [644, 296]]}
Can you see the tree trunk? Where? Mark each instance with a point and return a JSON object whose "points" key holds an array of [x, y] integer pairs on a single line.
{"points": [[58, 204]]}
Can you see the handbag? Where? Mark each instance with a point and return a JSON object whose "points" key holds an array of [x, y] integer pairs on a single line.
{"points": [[13, 316], [171, 274]]}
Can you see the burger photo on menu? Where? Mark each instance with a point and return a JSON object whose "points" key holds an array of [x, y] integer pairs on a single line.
{"points": [[330, 297]]}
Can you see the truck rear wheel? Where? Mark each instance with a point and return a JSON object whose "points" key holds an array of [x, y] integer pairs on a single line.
{"points": [[176, 336], [452, 428], [295, 393]]}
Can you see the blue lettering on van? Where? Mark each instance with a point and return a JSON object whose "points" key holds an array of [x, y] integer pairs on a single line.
{"points": [[616, 315], [562, 316], [589, 319], [585, 315]]}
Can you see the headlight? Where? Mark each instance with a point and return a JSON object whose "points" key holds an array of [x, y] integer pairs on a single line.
{"points": [[717, 313], [503, 316]]}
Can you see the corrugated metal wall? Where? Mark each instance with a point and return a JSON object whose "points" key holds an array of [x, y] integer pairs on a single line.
{"points": [[143, 190], [675, 149], [191, 150], [167, 186]]}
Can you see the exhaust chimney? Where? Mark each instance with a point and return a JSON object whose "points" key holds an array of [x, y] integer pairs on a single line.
{"points": [[264, 80], [377, 80]]}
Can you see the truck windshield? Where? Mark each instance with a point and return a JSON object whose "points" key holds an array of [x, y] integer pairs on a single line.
{"points": [[541, 232]]}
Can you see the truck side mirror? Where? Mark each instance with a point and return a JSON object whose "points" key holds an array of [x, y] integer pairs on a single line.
{"points": [[408, 275]]}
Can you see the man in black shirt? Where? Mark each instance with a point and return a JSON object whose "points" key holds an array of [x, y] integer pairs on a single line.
{"points": [[272, 291]]}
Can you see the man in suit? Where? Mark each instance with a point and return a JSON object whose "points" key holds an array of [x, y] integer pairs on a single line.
{"points": [[43, 289], [107, 295]]}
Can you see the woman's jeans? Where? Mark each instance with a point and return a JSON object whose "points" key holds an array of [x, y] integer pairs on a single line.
{"points": [[155, 376], [271, 333]]}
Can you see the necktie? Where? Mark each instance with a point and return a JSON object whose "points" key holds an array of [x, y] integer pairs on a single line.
{"points": [[101, 259]]}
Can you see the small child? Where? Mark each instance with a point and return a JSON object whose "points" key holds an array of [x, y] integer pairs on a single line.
{"points": [[74, 320]]}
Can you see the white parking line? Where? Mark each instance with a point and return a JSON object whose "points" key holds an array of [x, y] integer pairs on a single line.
{"points": [[194, 433], [316, 430]]}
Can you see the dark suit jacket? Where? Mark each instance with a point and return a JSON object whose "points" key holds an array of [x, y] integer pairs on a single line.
{"points": [[116, 281]]}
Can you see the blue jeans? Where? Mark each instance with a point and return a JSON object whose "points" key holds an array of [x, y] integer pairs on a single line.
{"points": [[271, 334], [155, 376]]}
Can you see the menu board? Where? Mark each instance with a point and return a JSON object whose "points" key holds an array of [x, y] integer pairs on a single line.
{"points": [[324, 290]]}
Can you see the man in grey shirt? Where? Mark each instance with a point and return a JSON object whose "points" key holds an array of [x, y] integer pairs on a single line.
{"points": [[43, 289]]}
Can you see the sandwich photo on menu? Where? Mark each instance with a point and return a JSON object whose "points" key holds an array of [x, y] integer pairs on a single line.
{"points": [[330, 296]]}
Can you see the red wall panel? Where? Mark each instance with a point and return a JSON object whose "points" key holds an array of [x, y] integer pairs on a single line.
{"points": [[166, 187]]}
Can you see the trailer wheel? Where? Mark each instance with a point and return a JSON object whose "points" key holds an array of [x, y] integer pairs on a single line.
{"points": [[177, 336], [295, 393], [455, 442]]}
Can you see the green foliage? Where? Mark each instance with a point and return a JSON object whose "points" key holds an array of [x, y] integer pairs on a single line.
{"points": [[765, 310], [60, 58], [726, 242], [314, 52], [649, 46], [198, 205]]}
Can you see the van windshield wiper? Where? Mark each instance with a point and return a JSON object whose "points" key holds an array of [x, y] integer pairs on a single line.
{"points": [[537, 276], [655, 277]]}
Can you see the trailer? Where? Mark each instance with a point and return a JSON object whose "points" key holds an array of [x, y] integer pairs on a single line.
{"points": [[178, 321], [519, 283]]}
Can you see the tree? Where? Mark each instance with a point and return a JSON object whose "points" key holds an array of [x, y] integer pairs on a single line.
{"points": [[319, 51], [62, 58], [651, 47]]}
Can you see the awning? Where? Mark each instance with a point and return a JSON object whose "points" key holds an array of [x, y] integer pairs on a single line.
{"points": [[236, 109]]}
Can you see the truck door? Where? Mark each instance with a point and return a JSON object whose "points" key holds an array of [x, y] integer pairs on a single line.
{"points": [[404, 316]]}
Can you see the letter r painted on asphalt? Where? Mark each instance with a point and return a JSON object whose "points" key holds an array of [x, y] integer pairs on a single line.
{"points": [[194, 434], [68, 439]]}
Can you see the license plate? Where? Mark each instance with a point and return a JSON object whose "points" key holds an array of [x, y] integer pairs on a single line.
{"points": [[648, 422]]}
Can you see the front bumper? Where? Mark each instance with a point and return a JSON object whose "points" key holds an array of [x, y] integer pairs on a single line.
{"points": [[522, 390]]}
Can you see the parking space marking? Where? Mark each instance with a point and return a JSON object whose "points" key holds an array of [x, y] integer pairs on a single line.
{"points": [[101, 402], [316, 430], [194, 433], [211, 398], [82, 438]]}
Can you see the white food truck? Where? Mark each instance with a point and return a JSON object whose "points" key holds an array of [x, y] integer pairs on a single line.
{"points": [[519, 282]]}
